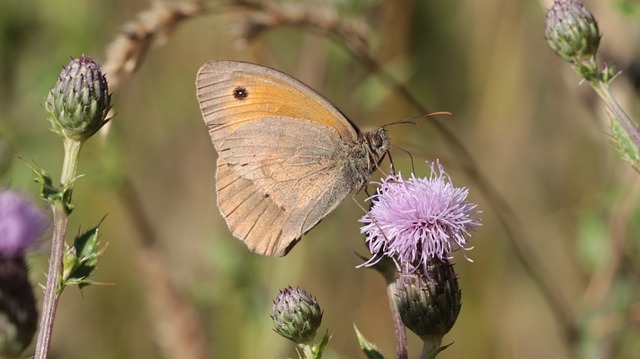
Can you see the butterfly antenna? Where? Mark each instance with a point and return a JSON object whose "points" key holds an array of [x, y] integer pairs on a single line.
{"points": [[401, 122], [412, 121]]}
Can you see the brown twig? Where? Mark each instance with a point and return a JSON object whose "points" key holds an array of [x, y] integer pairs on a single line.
{"points": [[319, 18], [176, 324], [127, 51]]}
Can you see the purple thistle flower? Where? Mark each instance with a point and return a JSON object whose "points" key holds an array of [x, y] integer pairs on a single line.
{"points": [[21, 224], [416, 219]]}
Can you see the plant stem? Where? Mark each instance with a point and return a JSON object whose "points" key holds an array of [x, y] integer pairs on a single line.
{"points": [[401, 334], [307, 351], [70, 164], [60, 218], [428, 348], [616, 111]]}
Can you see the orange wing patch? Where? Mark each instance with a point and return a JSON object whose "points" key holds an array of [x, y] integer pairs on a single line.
{"points": [[233, 93]]}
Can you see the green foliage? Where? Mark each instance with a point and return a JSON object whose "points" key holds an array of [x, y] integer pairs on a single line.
{"points": [[630, 8], [437, 351], [368, 348], [628, 149], [81, 259], [314, 351], [592, 239], [50, 193]]}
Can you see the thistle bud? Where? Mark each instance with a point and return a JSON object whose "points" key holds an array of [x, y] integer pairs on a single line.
{"points": [[18, 314], [572, 32], [21, 224], [429, 303], [296, 315], [79, 102]]}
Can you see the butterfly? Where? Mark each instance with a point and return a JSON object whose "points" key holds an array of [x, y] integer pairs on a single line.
{"points": [[286, 156]]}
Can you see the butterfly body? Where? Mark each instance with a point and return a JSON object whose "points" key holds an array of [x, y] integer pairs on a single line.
{"points": [[286, 156]]}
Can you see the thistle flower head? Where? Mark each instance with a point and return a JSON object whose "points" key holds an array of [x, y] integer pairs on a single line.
{"points": [[572, 31], [413, 220], [296, 315], [429, 303], [21, 224], [79, 102]]}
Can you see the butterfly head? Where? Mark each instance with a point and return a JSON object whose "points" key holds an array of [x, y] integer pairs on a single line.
{"points": [[376, 145]]}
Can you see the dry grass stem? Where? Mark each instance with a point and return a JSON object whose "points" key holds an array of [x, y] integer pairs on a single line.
{"points": [[176, 323], [323, 19], [153, 25]]}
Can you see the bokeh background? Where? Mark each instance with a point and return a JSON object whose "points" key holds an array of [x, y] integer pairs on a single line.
{"points": [[537, 135]]}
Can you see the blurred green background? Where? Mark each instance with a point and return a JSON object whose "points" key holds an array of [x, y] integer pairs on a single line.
{"points": [[538, 136]]}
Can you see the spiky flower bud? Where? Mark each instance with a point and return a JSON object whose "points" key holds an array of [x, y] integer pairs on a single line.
{"points": [[79, 102], [572, 31], [18, 314], [21, 224], [429, 303], [296, 315]]}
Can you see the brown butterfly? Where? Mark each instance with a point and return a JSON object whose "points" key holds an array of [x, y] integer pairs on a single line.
{"points": [[286, 156]]}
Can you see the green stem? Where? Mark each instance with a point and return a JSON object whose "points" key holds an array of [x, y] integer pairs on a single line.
{"points": [[60, 218], [428, 348], [308, 352], [616, 111], [70, 164]]}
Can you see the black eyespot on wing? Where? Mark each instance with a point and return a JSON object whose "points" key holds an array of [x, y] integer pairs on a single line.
{"points": [[240, 93]]}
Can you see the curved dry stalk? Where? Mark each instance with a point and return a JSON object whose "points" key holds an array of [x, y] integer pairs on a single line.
{"points": [[127, 51], [178, 330], [176, 323]]}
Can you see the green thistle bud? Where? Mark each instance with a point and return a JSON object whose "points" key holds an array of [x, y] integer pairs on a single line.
{"points": [[429, 304], [18, 315], [296, 315], [79, 102], [572, 32]]}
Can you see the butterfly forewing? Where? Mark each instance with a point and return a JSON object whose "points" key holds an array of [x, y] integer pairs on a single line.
{"points": [[283, 153], [234, 93]]}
